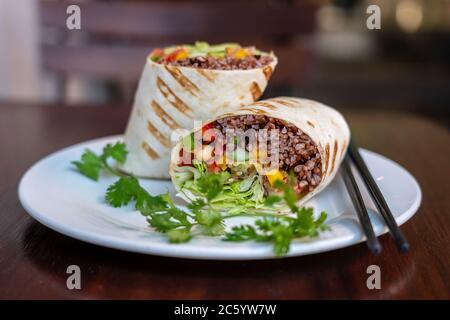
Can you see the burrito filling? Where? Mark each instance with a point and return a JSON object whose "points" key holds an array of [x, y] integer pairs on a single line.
{"points": [[226, 56], [250, 170]]}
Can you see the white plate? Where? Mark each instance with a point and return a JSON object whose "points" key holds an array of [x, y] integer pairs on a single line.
{"points": [[66, 201]]}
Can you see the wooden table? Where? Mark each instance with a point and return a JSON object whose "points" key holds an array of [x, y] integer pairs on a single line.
{"points": [[33, 258]]}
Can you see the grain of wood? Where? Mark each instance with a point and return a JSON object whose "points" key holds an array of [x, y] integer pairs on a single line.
{"points": [[33, 258]]}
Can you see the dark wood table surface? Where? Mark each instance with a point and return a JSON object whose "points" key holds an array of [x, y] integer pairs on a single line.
{"points": [[33, 258]]}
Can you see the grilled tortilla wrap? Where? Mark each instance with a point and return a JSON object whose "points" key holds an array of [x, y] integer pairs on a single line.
{"points": [[313, 140], [172, 97]]}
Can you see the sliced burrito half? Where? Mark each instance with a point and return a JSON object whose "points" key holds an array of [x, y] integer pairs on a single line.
{"points": [[259, 144], [182, 84]]}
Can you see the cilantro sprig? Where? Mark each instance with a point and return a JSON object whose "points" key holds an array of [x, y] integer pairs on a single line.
{"points": [[92, 164], [280, 230], [203, 218], [163, 215]]}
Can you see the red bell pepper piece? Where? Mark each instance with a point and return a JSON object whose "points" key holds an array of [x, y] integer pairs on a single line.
{"points": [[213, 167], [185, 159], [208, 134]]}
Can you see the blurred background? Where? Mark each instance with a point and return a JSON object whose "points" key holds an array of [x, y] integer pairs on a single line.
{"points": [[326, 51]]}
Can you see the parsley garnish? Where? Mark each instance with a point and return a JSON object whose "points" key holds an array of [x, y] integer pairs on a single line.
{"points": [[163, 215], [91, 164], [280, 230], [202, 218]]}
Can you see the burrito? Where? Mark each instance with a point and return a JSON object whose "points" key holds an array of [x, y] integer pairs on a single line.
{"points": [[288, 139], [186, 83]]}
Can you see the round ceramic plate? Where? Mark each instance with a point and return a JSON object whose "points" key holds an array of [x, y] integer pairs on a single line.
{"points": [[56, 195]]}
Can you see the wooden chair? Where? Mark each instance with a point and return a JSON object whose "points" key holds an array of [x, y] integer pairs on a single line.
{"points": [[116, 36]]}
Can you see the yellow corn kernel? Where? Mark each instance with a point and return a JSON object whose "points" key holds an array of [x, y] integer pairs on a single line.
{"points": [[222, 163], [229, 51], [273, 176], [181, 55], [240, 53]]}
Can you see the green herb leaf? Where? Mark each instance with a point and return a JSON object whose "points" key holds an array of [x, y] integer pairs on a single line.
{"points": [[171, 219], [89, 165], [116, 151], [279, 184], [290, 198], [241, 233], [148, 204], [211, 184], [196, 205], [178, 225], [123, 191], [321, 220], [282, 237], [179, 235], [189, 142], [271, 200], [211, 222]]}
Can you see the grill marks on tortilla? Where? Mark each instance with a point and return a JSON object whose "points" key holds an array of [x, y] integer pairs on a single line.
{"points": [[183, 80], [267, 71], [226, 115], [344, 148], [171, 97], [310, 123], [208, 75], [327, 158], [253, 111], [164, 140], [164, 116], [255, 91], [284, 102], [335, 149], [291, 100], [150, 152], [266, 105]]}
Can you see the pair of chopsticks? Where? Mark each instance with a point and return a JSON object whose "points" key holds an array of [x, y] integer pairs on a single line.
{"points": [[372, 241]]}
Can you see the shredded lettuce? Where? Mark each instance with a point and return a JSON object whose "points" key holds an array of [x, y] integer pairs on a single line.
{"points": [[200, 166], [189, 142], [203, 48], [236, 196], [184, 174]]}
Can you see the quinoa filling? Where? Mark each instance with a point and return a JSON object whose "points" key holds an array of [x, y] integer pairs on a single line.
{"points": [[297, 152], [227, 63], [227, 147], [227, 56]]}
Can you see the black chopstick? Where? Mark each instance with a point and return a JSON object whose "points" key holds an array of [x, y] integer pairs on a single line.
{"points": [[378, 198], [372, 242]]}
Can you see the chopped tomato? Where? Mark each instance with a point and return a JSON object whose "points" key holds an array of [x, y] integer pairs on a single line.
{"points": [[178, 54], [171, 57], [213, 167], [208, 134], [157, 54], [207, 126]]}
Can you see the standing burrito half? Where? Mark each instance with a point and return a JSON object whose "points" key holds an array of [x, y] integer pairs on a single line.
{"points": [[186, 83], [259, 144]]}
